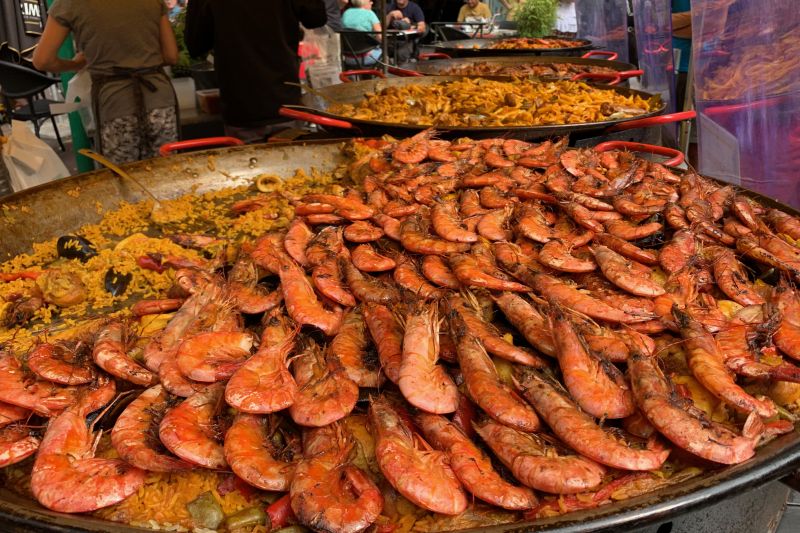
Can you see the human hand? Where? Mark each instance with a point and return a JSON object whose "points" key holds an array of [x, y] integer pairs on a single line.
{"points": [[396, 14], [79, 60]]}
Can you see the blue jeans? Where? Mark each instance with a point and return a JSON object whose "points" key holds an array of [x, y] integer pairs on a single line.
{"points": [[369, 59]]}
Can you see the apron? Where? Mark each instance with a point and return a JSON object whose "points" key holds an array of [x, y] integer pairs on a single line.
{"points": [[140, 83]]}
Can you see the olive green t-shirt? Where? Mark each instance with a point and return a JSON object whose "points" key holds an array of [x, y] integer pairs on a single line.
{"points": [[118, 33]]}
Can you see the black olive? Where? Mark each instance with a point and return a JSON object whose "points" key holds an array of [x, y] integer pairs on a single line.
{"points": [[116, 283], [75, 247]]}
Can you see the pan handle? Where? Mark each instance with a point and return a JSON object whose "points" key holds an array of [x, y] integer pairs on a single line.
{"points": [[626, 74], [611, 56], [613, 79], [208, 142], [345, 76], [434, 55], [314, 119], [653, 121], [397, 71], [676, 155]]}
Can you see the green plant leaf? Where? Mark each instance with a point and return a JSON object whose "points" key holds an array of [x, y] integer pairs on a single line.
{"points": [[536, 18]]}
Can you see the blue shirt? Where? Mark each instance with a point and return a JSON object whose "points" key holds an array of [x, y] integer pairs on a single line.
{"points": [[412, 11], [359, 19]]}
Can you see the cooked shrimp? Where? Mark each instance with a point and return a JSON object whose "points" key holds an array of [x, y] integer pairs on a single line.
{"points": [[787, 334], [366, 259], [350, 346], [447, 223], [596, 385], [485, 388], [243, 288], [263, 384], [191, 430], [471, 465], [22, 388], [346, 207], [676, 254], [528, 321], [390, 225], [625, 274], [213, 356], [110, 352], [328, 492], [537, 465], [408, 277], [437, 271], [734, 341], [156, 307], [560, 293], [66, 363], [492, 225], [413, 149], [258, 453], [16, 444], [302, 303], [579, 431], [731, 276], [532, 224], [784, 223], [556, 254], [135, 433], [470, 273], [425, 384], [326, 394], [420, 474], [707, 364], [296, 240], [365, 287], [66, 475], [415, 238], [629, 231], [625, 248], [491, 339], [12, 413], [470, 204], [327, 278], [362, 232], [387, 336], [684, 424]]}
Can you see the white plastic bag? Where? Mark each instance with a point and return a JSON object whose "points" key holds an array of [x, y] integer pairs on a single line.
{"points": [[78, 98], [30, 161]]}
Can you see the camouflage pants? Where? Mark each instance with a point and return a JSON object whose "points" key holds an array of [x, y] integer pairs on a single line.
{"points": [[121, 141]]}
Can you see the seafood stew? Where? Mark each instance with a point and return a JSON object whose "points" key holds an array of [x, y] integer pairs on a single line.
{"points": [[429, 238]]}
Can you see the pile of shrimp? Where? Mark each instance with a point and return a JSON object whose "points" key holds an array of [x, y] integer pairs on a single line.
{"points": [[480, 102], [489, 330], [532, 43]]}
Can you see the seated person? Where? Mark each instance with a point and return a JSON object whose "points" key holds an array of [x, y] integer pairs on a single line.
{"points": [[406, 15], [361, 18], [473, 11]]}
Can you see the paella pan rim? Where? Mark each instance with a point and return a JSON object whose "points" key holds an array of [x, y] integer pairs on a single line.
{"points": [[772, 461], [432, 67], [468, 47]]}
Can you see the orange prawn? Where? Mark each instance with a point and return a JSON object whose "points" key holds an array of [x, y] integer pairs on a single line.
{"points": [[387, 336], [349, 346], [110, 352]]}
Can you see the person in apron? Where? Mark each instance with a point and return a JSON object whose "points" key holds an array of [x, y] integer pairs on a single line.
{"points": [[124, 45]]}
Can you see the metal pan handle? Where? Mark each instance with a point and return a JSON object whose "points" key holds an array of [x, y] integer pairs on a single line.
{"points": [[611, 56], [297, 114], [207, 142], [345, 76], [434, 55], [676, 156], [397, 71], [626, 74], [611, 79], [653, 121]]}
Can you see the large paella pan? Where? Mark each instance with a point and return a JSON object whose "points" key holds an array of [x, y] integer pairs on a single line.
{"points": [[512, 46], [204, 173], [344, 106]]}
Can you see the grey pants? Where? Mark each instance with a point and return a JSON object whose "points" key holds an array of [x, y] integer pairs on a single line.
{"points": [[121, 138]]}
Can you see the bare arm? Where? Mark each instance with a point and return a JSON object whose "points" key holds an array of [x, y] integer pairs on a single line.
{"points": [[45, 57], [421, 26], [376, 26], [169, 47]]}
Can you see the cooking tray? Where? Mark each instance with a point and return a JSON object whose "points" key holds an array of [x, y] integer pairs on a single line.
{"points": [[480, 47], [315, 110], [22, 223], [439, 67]]}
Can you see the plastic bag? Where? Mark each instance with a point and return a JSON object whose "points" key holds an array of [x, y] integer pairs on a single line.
{"points": [[78, 98], [323, 46], [30, 161]]}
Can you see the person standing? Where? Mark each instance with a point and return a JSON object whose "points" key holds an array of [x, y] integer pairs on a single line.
{"points": [[511, 7], [255, 56], [123, 44], [474, 9]]}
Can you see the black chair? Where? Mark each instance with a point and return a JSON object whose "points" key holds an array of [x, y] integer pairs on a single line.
{"points": [[356, 46], [22, 83], [446, 32]]}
